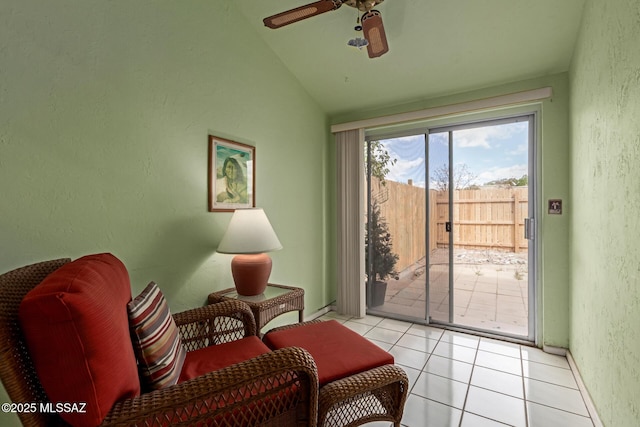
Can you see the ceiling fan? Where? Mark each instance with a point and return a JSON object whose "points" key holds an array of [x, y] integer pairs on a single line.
{"points": [[371, 20]]}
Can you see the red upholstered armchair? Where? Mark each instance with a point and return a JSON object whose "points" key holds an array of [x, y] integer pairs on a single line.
{"points": [[226, 376]]}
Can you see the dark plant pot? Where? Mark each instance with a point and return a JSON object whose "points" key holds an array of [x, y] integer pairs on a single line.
{"points": [[379, 291]]}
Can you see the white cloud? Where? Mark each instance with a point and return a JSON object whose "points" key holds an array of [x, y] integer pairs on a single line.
{"points": [[492, 174], [480, 137], [472, 138], [520, 149], [497, 148], [411, 139], [405, 169]]}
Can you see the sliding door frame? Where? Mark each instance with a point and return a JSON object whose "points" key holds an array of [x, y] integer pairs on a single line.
{"points": [[532, 114]]}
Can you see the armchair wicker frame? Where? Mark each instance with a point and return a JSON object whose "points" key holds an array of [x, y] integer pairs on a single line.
{"points": [[283, 383]]}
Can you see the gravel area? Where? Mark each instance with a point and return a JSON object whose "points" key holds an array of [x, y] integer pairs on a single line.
{"points": [[468, 256]]}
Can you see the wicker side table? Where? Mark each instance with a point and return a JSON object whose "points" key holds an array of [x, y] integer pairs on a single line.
{"points": [[276, 300]]}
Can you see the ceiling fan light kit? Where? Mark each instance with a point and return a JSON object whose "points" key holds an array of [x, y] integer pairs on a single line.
{"points": [[375, 38], [358, 42]]}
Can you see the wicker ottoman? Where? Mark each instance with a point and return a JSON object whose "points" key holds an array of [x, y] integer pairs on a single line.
{"points": [[358, 381]]}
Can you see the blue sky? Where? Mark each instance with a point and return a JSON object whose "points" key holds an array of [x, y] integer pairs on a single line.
{"points": [[490, 153]]}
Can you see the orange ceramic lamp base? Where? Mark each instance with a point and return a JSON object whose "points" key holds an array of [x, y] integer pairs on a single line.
{"points": [[251, 273]]}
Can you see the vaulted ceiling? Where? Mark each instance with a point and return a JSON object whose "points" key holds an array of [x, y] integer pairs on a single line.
{"points": [[437, 47]]}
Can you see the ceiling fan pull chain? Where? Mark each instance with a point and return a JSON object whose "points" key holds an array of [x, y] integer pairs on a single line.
{"points": [[358, 27]]}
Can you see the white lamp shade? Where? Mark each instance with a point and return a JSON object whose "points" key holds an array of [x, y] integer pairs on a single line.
{"points": [[249, 232]]}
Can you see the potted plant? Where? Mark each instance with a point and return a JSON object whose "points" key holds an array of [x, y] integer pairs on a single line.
{"points": [[380, 259]]}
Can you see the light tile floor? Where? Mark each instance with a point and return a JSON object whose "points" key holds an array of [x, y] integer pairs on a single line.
{"points": [[461, 380]]}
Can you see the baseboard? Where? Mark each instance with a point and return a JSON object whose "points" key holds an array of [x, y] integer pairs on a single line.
{"points": [[583, 390], [317, 314], [558, 351]]}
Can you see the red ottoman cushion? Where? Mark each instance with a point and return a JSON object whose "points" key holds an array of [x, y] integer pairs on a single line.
{"points": [[337, 350], [215, 357], [77, 330]]}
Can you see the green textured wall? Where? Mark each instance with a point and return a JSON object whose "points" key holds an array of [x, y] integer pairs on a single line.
{"points": [[105, 108], [553, 161], [605, 224]]}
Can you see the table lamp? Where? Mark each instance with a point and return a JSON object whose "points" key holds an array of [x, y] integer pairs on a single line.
{"points": [[249, 235]]}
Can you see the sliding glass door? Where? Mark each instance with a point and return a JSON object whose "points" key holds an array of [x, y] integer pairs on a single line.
{"points": [[396, 226], [445, 227]]}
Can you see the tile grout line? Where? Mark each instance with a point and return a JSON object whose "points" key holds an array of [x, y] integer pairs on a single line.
{"points": [[524, 389], [466, 396], [584, 394]]}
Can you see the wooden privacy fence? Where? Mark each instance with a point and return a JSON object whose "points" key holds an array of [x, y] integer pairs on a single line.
{"points": [[485, 218]]}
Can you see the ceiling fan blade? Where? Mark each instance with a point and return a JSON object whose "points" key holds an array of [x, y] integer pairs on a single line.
{"points": [[300, 13], [374, 32]]}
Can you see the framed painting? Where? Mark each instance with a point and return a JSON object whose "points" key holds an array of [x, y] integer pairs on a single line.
{"points": [[232, 168]]}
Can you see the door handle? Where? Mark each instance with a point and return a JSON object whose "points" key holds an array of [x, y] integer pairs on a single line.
{"points": [[447, 227], [529, 228]]}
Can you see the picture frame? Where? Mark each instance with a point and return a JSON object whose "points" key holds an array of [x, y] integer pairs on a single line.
{"points": [[232, 172]]}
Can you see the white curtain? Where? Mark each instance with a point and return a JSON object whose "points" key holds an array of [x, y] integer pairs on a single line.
{"points": [[351, 298]]}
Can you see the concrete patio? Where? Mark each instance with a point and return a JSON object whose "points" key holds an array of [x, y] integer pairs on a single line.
{"points": [[490, 290]]}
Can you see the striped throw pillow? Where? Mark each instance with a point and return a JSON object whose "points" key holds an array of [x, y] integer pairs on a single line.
{"points": [[156, 339]]}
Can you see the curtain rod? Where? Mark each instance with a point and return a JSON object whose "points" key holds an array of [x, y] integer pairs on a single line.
{"points": [[445, 110]]}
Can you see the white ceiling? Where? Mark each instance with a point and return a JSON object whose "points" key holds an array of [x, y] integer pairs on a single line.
{"points": [[437, 47]]}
